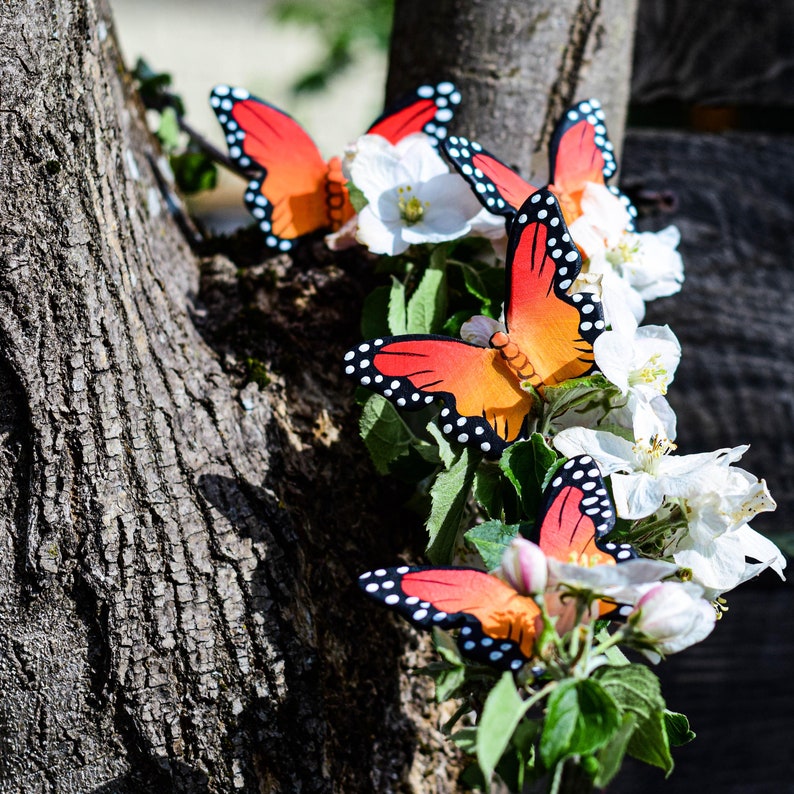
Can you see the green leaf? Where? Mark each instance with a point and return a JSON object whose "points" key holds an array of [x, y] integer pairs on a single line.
{"points": [[581, 717], [396, 316], [428, 305], [501, 714], [491, 538], [447, 647], [488, 487], [636, 690], [385, 434], [448, 682], [486, 284], [615, 656], [678, 730], [375, 313], [448, 498], [471, 779], [168, 132], [610, 756], [194, 171], [466, 739], [414, 464], [446, 452], [575, 392], [452, 325], [474, 284], [357, 198], [525, 464]]}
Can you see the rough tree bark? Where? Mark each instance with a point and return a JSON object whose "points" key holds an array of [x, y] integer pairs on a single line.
{"points": [[178, 548], [519, 66], [186, 502]]}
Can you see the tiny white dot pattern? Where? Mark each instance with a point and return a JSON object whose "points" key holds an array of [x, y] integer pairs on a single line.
{"points": [[223, 98], [418, 384], [386, 586]]}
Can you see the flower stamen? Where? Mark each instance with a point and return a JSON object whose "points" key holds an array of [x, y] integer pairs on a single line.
{"points": [[411, 208], [652, 374]]}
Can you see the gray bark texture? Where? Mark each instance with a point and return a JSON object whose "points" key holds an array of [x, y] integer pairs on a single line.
{"points": [[187, 503], [178, 547], [519, 65]]}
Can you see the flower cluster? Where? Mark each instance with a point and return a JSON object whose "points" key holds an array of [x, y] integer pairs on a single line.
{"points": [[584, 516]]}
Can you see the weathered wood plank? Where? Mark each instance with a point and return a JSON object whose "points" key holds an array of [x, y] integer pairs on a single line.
{"points": [[734, 52], [735, 385]]}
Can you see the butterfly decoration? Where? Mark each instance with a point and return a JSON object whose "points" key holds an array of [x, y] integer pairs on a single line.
{"points": [[548, 339], [580, 152], [294, 190], [497, 624]]}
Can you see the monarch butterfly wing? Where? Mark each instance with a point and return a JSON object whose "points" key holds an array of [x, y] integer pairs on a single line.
{"points": [[497, 186], [497, 625], [575, 515], [483, 404], [554, 329], [580, 151], [291, 196], [429, 108]]}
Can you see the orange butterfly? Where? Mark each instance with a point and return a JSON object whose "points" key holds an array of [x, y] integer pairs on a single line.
{"points": [[548, 339], [497, 624], [297, 192], [580, 152]]}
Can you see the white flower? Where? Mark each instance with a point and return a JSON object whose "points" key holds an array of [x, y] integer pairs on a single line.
{"points": [[634, 267], [638, 268], [616, 584], [719, 539], [651, 263], [603, 220], [643, 473], [412, 196], [609, 580], [639, 361], [671, 616]]}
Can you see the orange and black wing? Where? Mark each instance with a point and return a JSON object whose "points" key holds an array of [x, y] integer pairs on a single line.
{"points": [[579, 152], [554, 329], [483, 403], [576, 514], [428, 108], [497, 625], [497, 186], [296, 192]]}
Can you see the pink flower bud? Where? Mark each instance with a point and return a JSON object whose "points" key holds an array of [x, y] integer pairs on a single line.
{"points": [[524, 567], [672, 616]]}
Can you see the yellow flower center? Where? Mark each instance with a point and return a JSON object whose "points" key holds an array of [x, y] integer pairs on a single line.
{"points": [[411, 208], [649, 454], [624, 251], [652, 374]]}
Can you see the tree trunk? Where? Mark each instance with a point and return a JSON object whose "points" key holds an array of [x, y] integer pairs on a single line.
{"points": [[187, 502], [519, 66], [179, 547]]}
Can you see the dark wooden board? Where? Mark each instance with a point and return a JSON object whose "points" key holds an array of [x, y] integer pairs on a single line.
{"points": [[730, 52], [735, 385]]}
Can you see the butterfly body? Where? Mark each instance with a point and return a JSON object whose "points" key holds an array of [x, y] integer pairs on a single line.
{"points": [[547, 339], [294, 190], [498, 625]]}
